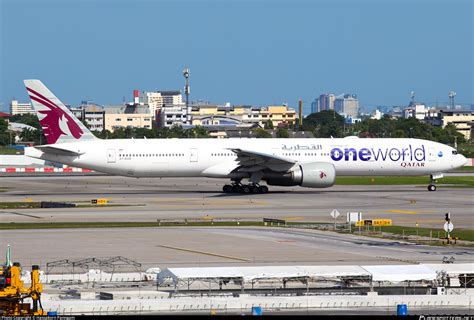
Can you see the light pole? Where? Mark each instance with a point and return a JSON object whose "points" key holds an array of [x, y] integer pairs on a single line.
{"points": [[451, 95], [186, 91]]}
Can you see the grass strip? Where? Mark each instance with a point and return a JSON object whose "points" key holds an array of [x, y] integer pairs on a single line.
{"points": [[37, 205], [463, 234], [464, 169], [6, 150], [20, 205], [464, 181]]}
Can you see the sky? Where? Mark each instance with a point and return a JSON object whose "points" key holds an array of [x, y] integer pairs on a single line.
{"points": [[239, 51]]}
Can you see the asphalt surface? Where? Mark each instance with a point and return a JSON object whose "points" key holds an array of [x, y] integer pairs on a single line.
{"points": [[152, 199], [220, 246]]}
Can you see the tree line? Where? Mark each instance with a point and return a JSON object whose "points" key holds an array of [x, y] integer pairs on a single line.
{"points": [[324, 124], [330, 124]]}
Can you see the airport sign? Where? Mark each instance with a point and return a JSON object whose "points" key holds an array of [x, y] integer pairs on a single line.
{"points": [[335, 213], [99, 201], [353, 217], [374, 222], [448, 227]]}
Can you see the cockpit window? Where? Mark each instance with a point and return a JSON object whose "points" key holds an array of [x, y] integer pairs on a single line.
{"points": [[455, 152]]}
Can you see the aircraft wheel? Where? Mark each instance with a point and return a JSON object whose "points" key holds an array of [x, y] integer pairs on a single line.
{"points": [[263, 189], [246, 189], [431, 187], [237, 188], [227, 188], [254, 189]]}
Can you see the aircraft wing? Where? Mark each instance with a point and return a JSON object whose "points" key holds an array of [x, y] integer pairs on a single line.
{"points": [[59, 151], [251, 161]]}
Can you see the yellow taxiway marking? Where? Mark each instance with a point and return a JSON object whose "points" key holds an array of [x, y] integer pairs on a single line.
{"points": [[292, 218], [409, 212], [205, 253], [421, 220], [403, 211]]}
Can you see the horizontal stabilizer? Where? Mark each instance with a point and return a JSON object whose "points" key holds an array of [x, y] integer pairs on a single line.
{"points": [[59, 151]]}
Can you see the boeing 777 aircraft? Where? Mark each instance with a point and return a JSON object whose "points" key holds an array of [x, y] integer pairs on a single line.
{"points": [[311, 163]]}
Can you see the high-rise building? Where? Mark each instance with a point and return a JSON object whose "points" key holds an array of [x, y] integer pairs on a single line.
{"points": [[157, 99], [21, 108], [347, 105], [314, 106], [325, 102]]}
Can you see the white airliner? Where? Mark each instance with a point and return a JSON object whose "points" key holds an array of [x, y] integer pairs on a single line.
{"points": [[311, 163]]}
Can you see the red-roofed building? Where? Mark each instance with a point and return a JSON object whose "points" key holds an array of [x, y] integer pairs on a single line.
{"points": [[5, 116]]}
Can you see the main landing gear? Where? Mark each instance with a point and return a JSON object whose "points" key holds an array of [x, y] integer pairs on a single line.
{"points": [[431, 186], [244, 188]]}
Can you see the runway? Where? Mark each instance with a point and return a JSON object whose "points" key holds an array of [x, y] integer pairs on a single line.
{"points": [[219, 246], [152, 199]]}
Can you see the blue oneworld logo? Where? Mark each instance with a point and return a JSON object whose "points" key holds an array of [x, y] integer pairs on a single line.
{"points": [[440, 154], [409, 153]]}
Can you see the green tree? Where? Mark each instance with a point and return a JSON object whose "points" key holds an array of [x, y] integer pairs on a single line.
{"points": [[261, 133], [407, 128], [324, 124], [269, 124], [4, 133], [28, 135], [399, 134], [453, 134], [140, 133], [129, 133], [200, 132], [35, 136], [177, 131], [29, 119], [282, 133]]}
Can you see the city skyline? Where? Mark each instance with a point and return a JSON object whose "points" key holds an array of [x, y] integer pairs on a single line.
{"points": [[242, 52]]}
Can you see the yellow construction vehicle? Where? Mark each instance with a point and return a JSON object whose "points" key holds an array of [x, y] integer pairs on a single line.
{"points": [[13, 292]]}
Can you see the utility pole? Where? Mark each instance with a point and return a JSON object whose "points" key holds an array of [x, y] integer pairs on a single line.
{"points": [[300, 111]]}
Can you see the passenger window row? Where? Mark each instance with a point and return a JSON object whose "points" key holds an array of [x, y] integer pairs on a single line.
{"points": [[136, 155]]}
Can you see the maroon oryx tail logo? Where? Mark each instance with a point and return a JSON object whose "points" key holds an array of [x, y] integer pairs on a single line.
{"points": [[322, 175], [54, 117]]}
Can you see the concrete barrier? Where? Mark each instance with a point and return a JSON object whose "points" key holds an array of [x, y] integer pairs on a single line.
{"points": [[44, 170], [244, 304]]}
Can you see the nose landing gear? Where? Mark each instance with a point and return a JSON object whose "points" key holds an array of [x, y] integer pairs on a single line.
{"points": [[433, 177]]}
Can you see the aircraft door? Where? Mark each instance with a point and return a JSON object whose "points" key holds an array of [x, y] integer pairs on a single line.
{"points": [[193, 155], [111, 156], [431, 154]]}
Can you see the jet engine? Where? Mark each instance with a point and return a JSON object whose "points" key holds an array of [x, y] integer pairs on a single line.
{"points": [[309, 175]]}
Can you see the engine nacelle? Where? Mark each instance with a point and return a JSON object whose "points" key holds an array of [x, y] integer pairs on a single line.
{"points": [[309, 175]]}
